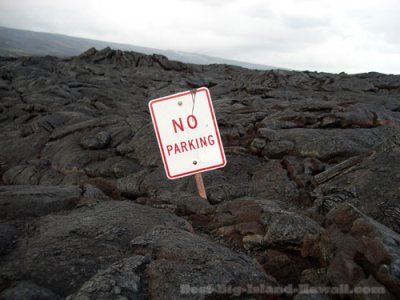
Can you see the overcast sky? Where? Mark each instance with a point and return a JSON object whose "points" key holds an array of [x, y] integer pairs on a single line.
{"points": [[323, 35]]}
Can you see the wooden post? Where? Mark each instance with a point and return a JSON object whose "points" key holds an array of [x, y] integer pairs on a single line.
{"points": [[200, 186]]}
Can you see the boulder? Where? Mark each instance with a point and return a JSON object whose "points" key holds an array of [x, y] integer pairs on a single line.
{"points": [[18, 202], [28, 290], [256, 223], [186, 266], [65, 250], [355, 247]]}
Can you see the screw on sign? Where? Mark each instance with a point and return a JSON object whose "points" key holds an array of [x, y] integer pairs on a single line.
{"points": [[188, 135]]}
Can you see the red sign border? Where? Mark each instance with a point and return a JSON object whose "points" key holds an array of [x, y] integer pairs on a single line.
{"points": [[153, 117]]}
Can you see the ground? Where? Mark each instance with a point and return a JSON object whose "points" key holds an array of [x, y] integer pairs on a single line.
{"points": [[309, 194]]}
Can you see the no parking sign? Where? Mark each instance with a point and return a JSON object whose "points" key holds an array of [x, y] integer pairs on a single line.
{"points": [[187, 133]]}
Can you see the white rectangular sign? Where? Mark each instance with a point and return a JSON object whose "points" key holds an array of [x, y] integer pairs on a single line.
{"points": [[187, 133]]}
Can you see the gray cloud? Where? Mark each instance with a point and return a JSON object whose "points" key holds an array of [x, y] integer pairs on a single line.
{"points": [[305, 22]]}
